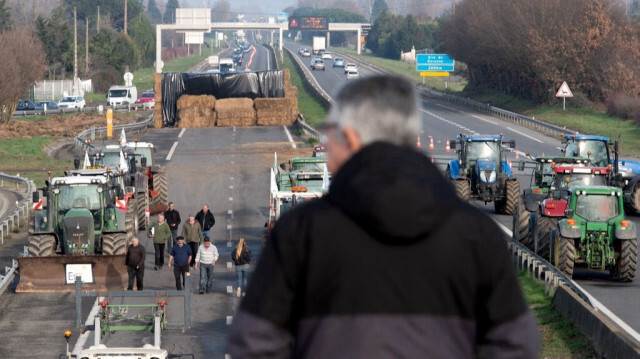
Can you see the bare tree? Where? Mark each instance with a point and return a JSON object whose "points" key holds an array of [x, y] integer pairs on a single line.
{"points": [[25, 12], [22, 63]]}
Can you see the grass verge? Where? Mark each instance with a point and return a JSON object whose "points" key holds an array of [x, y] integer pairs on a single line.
{"points": [[25, 156], [313, 112], [560, 338]]}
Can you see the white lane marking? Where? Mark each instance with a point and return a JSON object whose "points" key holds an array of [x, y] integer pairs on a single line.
{"points": [[173, 148], [229, 244], [228, 227], [182, 132], [447, 107], [82, 339], [230, 212], [484, 119], [229, 320], [229, 289], [230, 199], [525, 135], [234, 129], [599, 306], [229, 265], [286, 130], [231, 178], [230, 187], [559, 148]]}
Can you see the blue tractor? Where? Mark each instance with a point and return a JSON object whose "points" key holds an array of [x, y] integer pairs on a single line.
{"points": [[604, 153], [481, 171]]}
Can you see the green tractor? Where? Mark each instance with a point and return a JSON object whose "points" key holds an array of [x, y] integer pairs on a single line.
{"points": [[595, 234], [79, 231]]}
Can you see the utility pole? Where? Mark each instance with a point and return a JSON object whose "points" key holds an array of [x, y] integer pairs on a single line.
{"points": [[453, 7], [125, 16], [98, 19], [86, 51], [75, 50]]}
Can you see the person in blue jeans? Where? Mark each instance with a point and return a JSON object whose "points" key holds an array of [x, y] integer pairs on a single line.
{"points": [[241, 257], [181, 256], [206, 259]]}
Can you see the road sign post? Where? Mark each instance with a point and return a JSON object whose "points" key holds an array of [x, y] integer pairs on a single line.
{"points": [[564, 92]]}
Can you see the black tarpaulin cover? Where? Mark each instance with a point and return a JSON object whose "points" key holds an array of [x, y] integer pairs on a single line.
{"points": [[221, 85]]}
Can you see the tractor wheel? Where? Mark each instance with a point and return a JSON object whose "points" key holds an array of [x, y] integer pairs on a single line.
{"points": [[114, 243], [142, 203], [41, 245], [625, 267], [635, 199], [544, 226], [521, 227], [463, 190], [160, 186], [564, 254], [32, 224], [131, 221], [510, 201]]}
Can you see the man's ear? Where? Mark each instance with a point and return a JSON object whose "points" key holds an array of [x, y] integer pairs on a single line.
{"points": [[352, 138]]}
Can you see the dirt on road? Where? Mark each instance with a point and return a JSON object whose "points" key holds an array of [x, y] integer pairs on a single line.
{"points": [[62, 125]]}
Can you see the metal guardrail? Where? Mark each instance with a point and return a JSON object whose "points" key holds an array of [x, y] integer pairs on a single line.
{"points": [[82, 140], [129, 107], [310, 80], [307, 128], [11, 220]]}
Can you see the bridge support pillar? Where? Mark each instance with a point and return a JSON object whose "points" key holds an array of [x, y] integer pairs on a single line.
{"points": [[328, 39], [359, 41]]}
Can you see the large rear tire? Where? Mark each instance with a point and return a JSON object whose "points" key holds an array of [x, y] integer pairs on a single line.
{"points": [[625, 268], [635, 199], [114, 243], [521, 223], [463, 189], [131, 220], [160, 186], [510, 201], [41, 245], [142, 203], [564, 254], [544, 226]]}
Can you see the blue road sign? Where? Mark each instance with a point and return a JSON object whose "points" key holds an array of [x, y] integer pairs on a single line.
{"points": [[434, 62]]}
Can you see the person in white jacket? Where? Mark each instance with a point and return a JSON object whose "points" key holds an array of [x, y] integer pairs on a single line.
{"points": [[206, 259]]}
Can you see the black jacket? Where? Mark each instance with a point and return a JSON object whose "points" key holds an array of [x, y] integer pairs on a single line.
{"points": [[206, 221], [135, 256], [172, 218], [390, 264], [245, 256]]}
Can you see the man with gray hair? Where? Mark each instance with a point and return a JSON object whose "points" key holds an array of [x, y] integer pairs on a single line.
{"points": [[390, 263]]}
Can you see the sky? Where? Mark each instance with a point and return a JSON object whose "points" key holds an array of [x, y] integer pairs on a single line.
{"points": [[248, 7]]}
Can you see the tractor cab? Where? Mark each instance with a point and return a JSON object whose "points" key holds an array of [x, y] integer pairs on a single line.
{"points": [[597, 148]]}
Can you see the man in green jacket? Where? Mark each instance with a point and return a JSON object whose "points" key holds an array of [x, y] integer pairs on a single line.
{"points": [[192, 233], [159, 232]]}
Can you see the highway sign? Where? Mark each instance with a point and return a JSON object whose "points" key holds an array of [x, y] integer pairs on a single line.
{"points": [[564, 91], [434, 73], [434, 62]]}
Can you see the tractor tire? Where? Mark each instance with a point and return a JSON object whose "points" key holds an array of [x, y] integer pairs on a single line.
{"points": [[32, 224], [114, 244], [635, 199], [142, 203], [564, 254], [463, 189], [510, 201], [521, 225], [625, 267], [160, 186], [544, 226], [131, 221], [41, 245]]}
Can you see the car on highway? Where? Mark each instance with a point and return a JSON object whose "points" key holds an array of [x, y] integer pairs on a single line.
{"points": [[25, 105], [72, 102], [338, 62], [304, 52], [326, 55], [147, 98], [353, 74], [51, 105], [318, 64], [349, 66]]}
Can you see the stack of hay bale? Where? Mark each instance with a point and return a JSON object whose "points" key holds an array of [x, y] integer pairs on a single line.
{"points": [[291, 92], [158, 122], [196, 111], [281, 110], [235, 112]]}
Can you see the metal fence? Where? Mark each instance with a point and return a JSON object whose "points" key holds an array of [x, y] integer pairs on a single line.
{"points": [[82, 140], [10, 221]]}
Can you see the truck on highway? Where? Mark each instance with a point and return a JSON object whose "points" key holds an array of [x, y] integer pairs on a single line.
{"points": [[319, 43], [122, 95], [213, 61]]}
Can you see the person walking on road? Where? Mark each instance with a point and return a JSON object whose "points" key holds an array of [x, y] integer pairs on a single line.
{"points": [[134, 260], [192, 232], [206, 220], [390, 263], [206, 259], [172, 216], [180, 257], [160, 233], [241, 257]]}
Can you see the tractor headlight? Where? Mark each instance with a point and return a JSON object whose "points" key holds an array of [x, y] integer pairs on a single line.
{"points": [[488, 176]]}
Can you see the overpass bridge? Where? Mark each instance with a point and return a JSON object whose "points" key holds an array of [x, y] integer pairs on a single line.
{"points": [[280, 27]]}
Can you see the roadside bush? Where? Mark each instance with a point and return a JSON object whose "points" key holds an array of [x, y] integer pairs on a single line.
{"points": [[579, 100], [623, 106]]}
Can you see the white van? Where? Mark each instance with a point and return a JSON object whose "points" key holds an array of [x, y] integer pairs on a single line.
{"points": [[121, 95]]}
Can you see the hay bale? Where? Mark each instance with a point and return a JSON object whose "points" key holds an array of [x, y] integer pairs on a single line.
{"points": [[195, 117], [158, 122], [157, 83], [291, 92], [287, 77], [234, 103], [236, 121], [186, 101], [274, 104]]}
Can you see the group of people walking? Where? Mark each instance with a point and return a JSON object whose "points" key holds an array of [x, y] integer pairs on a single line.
{"points": [[191, 249]]}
